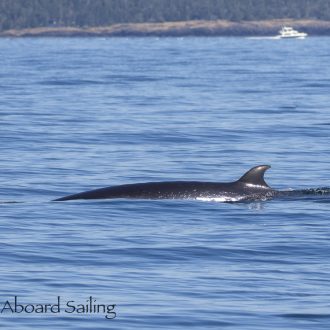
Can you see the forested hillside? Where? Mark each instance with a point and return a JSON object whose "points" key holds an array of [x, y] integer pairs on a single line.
{"points": [[19, 14]]}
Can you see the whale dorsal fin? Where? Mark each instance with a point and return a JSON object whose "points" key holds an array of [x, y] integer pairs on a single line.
{"points": [[255, 176]]}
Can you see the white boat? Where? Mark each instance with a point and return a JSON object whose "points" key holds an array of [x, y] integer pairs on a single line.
{"points": [[288, 32]]}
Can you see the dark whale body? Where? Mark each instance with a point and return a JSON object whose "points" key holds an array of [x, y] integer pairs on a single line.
{"points": [[251, 186]]}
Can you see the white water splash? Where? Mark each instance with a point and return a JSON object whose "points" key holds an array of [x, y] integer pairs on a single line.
{"points": [[221, 199]]}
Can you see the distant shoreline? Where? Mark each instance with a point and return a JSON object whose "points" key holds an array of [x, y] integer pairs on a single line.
{"points": [[178, 29]]}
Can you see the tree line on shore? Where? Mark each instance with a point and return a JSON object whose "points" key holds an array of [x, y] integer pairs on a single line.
{"points": [[19, 14]]}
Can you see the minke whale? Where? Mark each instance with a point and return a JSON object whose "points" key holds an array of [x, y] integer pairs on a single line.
{"points": [[251, 186]]}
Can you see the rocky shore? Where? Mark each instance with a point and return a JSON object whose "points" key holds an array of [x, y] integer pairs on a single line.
{"points": [[178, 29]]}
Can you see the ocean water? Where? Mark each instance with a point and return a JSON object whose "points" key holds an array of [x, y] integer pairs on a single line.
{"points": [[79, 113]]}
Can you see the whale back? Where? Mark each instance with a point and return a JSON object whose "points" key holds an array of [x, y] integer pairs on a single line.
{"points": [[252, 183], [255, 176]]}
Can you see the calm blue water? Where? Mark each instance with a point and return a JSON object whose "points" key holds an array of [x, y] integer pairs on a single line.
{"points": [[79, 114]]}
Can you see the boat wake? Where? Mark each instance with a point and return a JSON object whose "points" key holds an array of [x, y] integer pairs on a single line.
{"points": [[264, 38]]}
